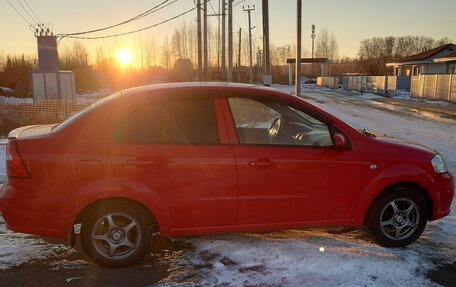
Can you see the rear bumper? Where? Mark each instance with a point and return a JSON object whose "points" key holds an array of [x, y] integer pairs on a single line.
{"points": [[445, 192], [26, 212]]}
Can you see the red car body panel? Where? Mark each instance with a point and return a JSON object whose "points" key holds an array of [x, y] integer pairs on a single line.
{"points": [[196, 189]]}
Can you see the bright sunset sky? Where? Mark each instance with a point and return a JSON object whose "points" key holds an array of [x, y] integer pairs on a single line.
{"points": [[349, 20]]}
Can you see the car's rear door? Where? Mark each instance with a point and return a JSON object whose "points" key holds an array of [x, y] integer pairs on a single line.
{"points": [[297, 178], [173, 148]]}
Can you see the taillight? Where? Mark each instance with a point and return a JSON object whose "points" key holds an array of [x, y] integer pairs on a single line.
{"points": [[15, 166]]}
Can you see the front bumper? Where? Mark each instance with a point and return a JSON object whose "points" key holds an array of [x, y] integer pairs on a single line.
{"points": [[445, 186]]}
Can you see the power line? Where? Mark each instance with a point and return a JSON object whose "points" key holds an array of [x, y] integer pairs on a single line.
{"points": [[39, 21], [237, 23], [215, 13], [131, 32], [241, 1], [139, 16], [18, 13], [27, 12]]}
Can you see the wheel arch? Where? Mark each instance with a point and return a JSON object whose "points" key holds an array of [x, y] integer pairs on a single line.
{"points": [[82, 214], [398, 186]]}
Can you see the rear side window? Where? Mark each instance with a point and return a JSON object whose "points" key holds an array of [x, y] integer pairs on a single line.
{"points": [[178, 121]]}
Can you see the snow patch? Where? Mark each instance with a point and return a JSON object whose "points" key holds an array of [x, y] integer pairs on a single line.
{"points": [[68, 280], [18, 248], [69, 265], [295, 258], [403, 94], [15, 101]]}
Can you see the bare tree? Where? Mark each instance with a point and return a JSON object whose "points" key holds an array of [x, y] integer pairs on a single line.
{"points": [[2, 60], [76, 55], [409, 45], [397, 47], [192, 42], [166, 53], [327, 46], [443, 41], [389, 43]]}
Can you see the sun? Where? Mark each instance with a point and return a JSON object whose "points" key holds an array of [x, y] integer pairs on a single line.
{"points": [[124, 57]]}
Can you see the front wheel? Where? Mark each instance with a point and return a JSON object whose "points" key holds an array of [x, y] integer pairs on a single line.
{"points": [[398, 218], [116, 234]]}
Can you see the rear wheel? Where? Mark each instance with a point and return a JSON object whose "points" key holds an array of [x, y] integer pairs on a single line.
{"points": [[398, 218], [116, 234]]}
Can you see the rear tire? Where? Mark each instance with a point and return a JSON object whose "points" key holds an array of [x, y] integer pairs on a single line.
{"points": [[117, 233], [398, 218]]}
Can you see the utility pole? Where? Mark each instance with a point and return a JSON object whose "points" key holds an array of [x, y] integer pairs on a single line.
{"points": [[259, 64], [249, 10], [200, 56], [239, 55], [313, 40], [267, 80], [230, 40], [206, 58], [223, 38], [298, 48], [218, 42]]}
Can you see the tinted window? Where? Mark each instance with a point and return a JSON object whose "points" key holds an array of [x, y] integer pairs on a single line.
{"points": [[179, 121], [272, 122]]}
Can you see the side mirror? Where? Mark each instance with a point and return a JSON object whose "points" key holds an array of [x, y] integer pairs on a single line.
{"points": [[340, 141]]}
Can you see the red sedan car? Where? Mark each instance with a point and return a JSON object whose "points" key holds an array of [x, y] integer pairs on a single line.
{"points": [[197, 158]]}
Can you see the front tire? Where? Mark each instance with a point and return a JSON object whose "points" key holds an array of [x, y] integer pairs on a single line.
{"points": [[116, 234], [398, 218]]}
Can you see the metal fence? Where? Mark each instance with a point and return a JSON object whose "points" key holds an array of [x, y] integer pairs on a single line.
{"points": [[379, 84], [383, 85], [434, 87], [17, 113]]}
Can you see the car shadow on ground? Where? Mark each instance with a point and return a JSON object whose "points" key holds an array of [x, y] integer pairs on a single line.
{"points": [[444, 274]]}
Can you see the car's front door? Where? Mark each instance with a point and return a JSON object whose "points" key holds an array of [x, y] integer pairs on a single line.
{"points": [[288, 170], [169, 148]]}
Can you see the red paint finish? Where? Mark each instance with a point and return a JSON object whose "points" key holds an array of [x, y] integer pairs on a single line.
{"points": [[221, 186], [280, 184]]}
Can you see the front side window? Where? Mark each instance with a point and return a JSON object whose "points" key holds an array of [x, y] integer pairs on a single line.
{"points": [[170, 121], [269, 122]]}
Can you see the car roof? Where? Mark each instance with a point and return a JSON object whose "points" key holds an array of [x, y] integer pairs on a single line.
{"points": [[204, 86]]}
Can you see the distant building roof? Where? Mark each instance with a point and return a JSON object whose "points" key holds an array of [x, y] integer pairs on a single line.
{"points": [[425, 55], [448, 58]]}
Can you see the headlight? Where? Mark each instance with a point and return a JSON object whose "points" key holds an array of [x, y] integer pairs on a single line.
{"points": [[439, 164]]}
